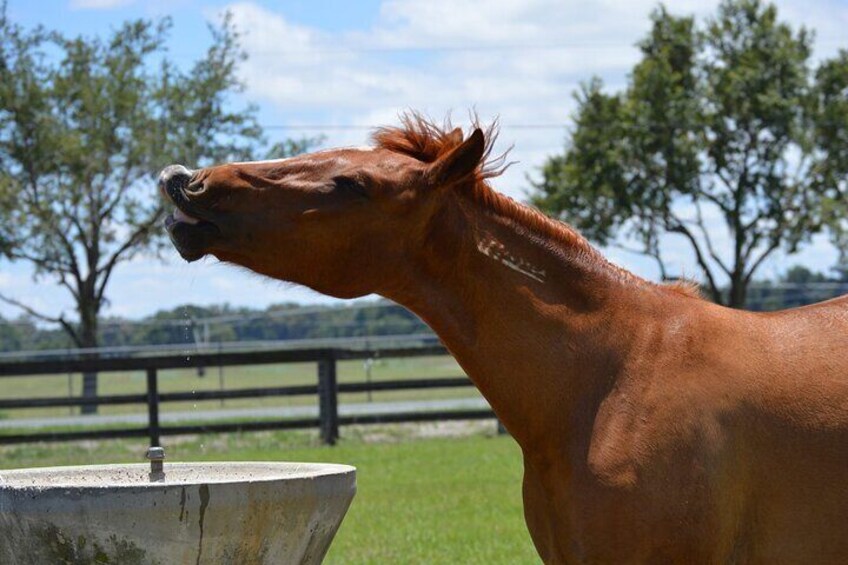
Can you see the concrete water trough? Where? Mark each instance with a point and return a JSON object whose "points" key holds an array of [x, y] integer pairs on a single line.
{"points": [[188, 513]]}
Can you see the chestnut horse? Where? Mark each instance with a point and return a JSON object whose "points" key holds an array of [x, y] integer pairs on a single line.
{"points": [[655, 426]]}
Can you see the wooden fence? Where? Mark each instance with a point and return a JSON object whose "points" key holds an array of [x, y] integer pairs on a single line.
{"points": [[326, 387]]}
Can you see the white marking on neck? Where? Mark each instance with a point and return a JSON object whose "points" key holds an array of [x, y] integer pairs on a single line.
{"points": [[497, 251]]}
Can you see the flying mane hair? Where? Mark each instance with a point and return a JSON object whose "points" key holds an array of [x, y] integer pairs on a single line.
{"points": [[423, 139]]}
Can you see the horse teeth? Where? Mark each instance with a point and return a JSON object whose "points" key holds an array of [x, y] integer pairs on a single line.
{"points": [[181, 216]]}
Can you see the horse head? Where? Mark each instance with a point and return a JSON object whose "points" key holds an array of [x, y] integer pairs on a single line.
{"points": [[338, 221]]}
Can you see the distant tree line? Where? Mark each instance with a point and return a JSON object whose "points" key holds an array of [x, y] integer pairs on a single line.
{"points": [[799, 286], [191, 324]]}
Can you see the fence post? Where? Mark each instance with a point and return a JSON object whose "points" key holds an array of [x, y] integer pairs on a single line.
{"points": [[328, 409], [153, 407]]}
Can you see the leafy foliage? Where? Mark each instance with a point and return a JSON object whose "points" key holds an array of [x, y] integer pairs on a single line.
{"points": [[830, 145], [723, 123], [85, 125]]}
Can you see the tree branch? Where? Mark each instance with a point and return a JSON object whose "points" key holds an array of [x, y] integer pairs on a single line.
{"points": [[769, 250], [715, 200], [748, 249], [749, 225], [710, 249], [727, 182], [35, 202], [106, 270], [53, 320], [49, 263], [699, 257], [123, 186], [74, 291]]}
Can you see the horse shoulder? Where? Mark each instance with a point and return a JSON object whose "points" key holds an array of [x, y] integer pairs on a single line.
{"points": [[661, 408]]}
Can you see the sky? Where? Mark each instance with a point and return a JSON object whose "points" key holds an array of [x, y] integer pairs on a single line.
{"points": [[340, 68]]}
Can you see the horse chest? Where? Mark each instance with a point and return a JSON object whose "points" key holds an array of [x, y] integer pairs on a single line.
{"points": [[572, 518], [568, 520]]}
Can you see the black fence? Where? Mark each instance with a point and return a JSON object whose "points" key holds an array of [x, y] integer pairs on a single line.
{"points": [[326, 388]]}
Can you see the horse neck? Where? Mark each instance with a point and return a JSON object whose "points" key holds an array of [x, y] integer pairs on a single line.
{"points": [[529, 319]]}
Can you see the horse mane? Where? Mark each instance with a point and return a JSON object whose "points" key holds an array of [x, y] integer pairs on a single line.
{"points": [[423, 139], [426, 141]]}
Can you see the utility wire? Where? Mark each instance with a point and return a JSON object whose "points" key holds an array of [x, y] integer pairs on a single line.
{"points": [[514, 47], [354, 127], [517, 126]]}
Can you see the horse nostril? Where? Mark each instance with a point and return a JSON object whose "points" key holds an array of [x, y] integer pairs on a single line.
{"points": [[173, 181]]}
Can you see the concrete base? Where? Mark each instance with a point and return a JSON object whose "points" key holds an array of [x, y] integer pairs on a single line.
{"points": [[211, 513]]}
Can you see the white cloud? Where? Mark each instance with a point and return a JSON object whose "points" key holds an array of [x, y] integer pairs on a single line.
{"points": [[99, 4], [514, 59], [500, 54]]}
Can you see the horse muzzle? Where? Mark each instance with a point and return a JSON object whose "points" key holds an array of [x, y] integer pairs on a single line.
{"points": [[190, 235], [173, 181]]}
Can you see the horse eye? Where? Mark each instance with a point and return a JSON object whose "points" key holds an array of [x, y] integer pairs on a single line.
{"points": [[351, 184]]}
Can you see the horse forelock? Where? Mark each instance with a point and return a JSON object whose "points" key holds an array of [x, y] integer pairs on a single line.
{"points": [[425, 140]]}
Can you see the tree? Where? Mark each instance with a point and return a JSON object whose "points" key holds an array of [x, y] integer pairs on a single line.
{"points": [[799, 274], [830, 143], [85, 125], [721, 126]]}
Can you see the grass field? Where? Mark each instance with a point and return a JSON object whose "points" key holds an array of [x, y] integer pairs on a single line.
{"points": [[184, 380], [419, 500]]}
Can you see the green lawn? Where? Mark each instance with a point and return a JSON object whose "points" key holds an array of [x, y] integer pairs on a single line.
{"points": [[435, 500]]}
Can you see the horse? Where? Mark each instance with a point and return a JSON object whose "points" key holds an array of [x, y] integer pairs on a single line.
{"points": [[655, 426]]}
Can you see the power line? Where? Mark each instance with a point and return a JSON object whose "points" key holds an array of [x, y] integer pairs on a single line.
{"points": [[514, 47], [444, 48], [234, 318], [516, 126], [241, 318], [355, 127], [348, 50]]}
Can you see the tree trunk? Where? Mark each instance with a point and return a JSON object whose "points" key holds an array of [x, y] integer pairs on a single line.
{"points": [[738, 293], [88, 338]]}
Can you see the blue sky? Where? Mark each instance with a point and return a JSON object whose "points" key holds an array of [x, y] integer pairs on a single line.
{"points": [[346, 63]]}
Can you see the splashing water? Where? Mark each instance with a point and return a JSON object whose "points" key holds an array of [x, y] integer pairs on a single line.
{"points": [[187, 332]]}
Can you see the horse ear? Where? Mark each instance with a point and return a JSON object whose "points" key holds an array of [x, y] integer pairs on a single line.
{"points": [[459, 163]]}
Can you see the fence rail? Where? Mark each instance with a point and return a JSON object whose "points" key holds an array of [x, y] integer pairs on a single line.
{"points": [[326, 388]]}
